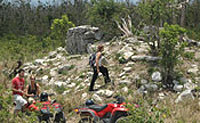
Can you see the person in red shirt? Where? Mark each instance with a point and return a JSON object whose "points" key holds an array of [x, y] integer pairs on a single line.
{"points": [[18, 91]]}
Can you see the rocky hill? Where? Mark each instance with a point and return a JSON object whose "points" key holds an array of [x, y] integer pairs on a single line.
{"points": [[133, 72]]}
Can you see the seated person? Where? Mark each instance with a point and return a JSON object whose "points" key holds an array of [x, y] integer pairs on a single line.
{"points": [[33, 89]]}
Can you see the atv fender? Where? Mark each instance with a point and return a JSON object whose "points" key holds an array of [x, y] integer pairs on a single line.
{"points": [[89, 113], [120, 109]]}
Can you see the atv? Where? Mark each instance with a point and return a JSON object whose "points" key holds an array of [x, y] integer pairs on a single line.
{"points": [[108, 113]]}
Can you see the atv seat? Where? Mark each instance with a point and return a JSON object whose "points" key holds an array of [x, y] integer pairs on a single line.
{"points": [[98, 108]]}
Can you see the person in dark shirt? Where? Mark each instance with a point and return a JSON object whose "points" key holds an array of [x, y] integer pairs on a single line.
{"points": [[33, 89]]}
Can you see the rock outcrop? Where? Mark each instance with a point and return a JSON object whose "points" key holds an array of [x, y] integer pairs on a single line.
{"points": [[79, 37]]}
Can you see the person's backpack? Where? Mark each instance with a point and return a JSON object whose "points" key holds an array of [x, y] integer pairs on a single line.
{"points": [[92, 59]]}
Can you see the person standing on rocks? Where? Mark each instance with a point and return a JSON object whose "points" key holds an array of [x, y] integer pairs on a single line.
{"points": [[18, 91], [98, 67]]}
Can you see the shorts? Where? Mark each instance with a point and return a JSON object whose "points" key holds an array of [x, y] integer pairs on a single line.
{"points": [[20, 101]]}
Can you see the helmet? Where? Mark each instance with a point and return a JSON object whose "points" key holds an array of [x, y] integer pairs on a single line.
{"points": [[89, 102], [120, 99], [44, 96]]}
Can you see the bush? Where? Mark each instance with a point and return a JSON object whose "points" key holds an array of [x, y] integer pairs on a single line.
{"points": [[60, 27], [143, 114], [103, 13], [171, 50]]}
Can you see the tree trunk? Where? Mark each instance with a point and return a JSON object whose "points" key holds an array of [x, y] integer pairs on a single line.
{"points": [[182, 23]]}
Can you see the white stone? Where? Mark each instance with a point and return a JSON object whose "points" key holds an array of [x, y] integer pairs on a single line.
{"points": [[185, 94], [53, 72], [66, 92], [189, 85], [108, 93], [39, 61], [45, 79], [178, 88], [51, 82], [60, 49], [125, 89], [59, 83], [96, 98], [130, 64], [84, 95], [193, 70], [71, 85], [156, 76], [89, 73], [124, 82], [87, 80], [123, 77], [122, 74], [100, 92], [127, 55], [127, 69], [52, 54], [57, 63], [144, 81]]}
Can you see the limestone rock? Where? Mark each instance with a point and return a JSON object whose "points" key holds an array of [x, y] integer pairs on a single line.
{"points": [[79, 37], [156, 76]]}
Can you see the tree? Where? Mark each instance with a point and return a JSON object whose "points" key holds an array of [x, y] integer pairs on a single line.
{"points": [[171, 50], [103, 13], [60, 27]]}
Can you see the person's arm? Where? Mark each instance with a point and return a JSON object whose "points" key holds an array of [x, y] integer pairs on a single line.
{"points": [[38, 90], [97, 61]]}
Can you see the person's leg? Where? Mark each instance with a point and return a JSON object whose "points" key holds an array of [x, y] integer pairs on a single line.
{"points": [[18, 104], [23, 103], [94, 77], [104, 71]]}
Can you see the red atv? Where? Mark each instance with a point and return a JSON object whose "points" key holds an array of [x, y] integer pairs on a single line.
{"points": [[108, 113], [44, 107]]}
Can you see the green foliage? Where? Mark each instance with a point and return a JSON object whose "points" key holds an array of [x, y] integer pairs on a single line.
{"points": [[171, 49], [154, 12], [60, 27], [60, 89], [19, 47], [189, 55], [146, 115], [103, 13]]}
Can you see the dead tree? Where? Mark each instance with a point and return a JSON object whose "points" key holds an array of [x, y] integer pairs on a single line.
{"points": [[126, 27]]}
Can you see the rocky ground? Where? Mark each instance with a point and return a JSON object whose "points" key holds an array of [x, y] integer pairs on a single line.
{"points": [[131, 67]]}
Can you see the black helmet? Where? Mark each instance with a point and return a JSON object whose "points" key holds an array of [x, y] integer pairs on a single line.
{"points": [[44, 96], [89, 102]]}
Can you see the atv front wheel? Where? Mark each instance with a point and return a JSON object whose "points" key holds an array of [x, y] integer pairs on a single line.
{"points": [[87, 120], [119, 117]]}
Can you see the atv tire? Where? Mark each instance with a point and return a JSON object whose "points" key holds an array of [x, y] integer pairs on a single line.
{"points": [[60, 118], [86, 119], [119, 117]]}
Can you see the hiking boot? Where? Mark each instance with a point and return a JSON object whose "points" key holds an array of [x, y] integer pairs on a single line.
{"points": [[107, 81], [91, 90]]}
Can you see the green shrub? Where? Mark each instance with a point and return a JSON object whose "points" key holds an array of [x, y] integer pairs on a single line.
{"points": [[146, 115], [103, 13], [189, 55], [60, 27], [171, 50]]}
